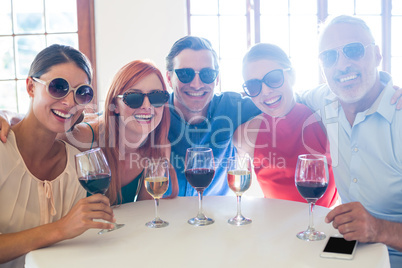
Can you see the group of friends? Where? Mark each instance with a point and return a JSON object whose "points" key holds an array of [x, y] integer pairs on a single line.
{"points": [[353, 119]]}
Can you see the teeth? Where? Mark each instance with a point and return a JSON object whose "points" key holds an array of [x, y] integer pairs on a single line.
{"points": [[348, 78], [144, 116], [272, 100], [195, 94], [65, 116]]}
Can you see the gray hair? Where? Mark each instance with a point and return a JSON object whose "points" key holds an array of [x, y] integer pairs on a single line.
{"points": [[346, 20]]}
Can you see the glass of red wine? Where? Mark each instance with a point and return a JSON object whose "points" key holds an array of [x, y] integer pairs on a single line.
{"points": [[156, 183], [94, 175], [311, 178], [199, 171], [239, 180]]}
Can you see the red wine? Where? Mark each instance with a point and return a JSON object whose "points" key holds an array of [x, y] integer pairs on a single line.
{"points": [[311, 190], [199, 178], [95, 184]]}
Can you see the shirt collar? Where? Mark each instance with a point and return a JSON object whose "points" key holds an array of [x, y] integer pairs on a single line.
{"points": [[382, 103]]}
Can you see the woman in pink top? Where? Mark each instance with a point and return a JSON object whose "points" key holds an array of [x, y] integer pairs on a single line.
{"points": [[284, 129]]}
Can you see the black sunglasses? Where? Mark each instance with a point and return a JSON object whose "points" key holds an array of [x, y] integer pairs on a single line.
{"points": [[186, 75], [353, 51], [135, 99], [273, 79], [59, 88]]}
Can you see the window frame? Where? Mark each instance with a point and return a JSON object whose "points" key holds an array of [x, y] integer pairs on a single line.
{"points": [[86, 44], [253, 20]]}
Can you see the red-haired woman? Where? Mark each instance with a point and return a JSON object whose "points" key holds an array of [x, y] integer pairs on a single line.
{"points": [[133, 128]]}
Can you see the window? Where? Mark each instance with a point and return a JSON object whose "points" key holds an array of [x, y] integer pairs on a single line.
{"points": [[234, 25], [28, 26]]}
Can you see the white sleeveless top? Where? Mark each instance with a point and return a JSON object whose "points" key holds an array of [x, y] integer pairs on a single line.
{"points": [[26, 201]]}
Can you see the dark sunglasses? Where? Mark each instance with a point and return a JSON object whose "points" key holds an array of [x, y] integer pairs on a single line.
{"points": [[135, 99], [353, 51], [273, 79], [59, 88], [186, 75]]}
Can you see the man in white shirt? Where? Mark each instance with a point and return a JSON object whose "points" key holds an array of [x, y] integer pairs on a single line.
{"points": [[365, 133]]}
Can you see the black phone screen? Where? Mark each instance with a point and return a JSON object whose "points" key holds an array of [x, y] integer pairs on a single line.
{"points": [[339, 245]]}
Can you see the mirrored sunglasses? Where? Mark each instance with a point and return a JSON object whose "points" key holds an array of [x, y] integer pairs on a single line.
{"points": [[186, 75], [59, 88], [273, 79], [353, 51], [135, 99]]}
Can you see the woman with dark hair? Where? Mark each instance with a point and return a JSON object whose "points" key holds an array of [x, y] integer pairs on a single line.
{"points": [[41, 200], [284, 129], [133, 129]]}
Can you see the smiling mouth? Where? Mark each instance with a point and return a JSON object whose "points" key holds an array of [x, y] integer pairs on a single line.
{"points": [[62, 115], [347, 78], [143, 117], [273, 100], [196, 94]]}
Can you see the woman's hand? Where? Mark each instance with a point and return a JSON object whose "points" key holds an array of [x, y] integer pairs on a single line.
{"points": [[81, 216]]}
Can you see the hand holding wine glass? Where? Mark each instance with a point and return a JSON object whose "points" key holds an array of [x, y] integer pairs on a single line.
{"points": [[156, 183], [199, 172], [94, 175], [311, 180], [239, 180]]}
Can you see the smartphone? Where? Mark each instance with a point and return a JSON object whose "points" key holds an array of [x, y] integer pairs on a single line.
{"points": [[339, 248]]}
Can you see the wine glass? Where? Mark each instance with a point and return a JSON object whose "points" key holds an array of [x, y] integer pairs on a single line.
{"points": [[94, 175], [156, 183], [239, 180], [311, 180], [199, 171]]}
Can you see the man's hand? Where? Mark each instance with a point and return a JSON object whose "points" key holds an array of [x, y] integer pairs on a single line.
{"points": [[397, 97], [4, 129], [354, 222]]}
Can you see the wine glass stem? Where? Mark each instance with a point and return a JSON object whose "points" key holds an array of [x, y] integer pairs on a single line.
{"points": [[311, 218], [200, 214], [156, 208], [238, 205]]}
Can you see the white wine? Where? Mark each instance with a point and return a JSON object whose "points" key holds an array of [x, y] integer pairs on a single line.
{"points": [[156, 186], [239, 180]]}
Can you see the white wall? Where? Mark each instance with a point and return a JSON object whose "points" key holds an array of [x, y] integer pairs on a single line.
{"points": [[127, 30]]}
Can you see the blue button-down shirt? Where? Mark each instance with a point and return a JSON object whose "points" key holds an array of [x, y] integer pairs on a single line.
{"points": [[367, 156], [225, 113]]}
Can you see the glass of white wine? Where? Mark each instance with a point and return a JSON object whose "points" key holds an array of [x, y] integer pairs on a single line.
{"points": [[239, 180], [156, 183]]}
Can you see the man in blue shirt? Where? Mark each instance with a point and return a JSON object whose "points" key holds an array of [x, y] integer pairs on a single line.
{"points": [[365, 133], [199, 117]]}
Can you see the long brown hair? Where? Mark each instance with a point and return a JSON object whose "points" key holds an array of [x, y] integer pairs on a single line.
{"points": [[125, 78]]}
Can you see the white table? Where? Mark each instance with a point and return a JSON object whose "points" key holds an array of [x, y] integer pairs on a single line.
{"points": [[270, 241]]}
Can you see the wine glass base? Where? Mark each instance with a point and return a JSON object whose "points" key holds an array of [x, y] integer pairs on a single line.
{"points": [[157, 224], [116, 226], [311, 235], [200, 222], [239, 221]]}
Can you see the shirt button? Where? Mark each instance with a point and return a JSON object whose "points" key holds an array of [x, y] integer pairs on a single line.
{"points": [[354, 180], [355, 149]]}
